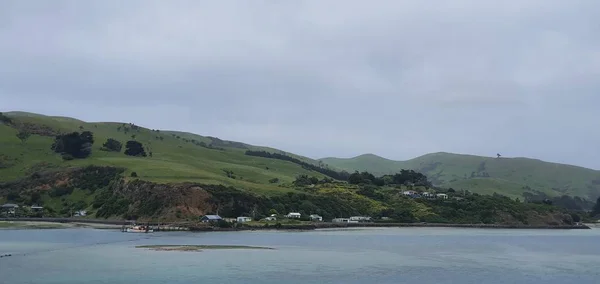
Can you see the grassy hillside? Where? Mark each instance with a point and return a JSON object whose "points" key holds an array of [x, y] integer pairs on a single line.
{"points": [[509, 176], [176, 156]]}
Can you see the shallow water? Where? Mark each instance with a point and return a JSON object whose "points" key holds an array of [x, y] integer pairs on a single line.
{"points": [[388, 255]]}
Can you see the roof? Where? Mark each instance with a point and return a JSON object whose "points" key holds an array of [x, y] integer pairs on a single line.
{"points": [[10, 205], [212, 217], [37, 207]]}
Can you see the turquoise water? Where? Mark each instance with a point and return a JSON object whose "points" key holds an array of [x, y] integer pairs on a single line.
{"points": [[390, 255]]}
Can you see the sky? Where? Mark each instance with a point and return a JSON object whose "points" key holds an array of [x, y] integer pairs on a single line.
{"points": [[319, 78]]}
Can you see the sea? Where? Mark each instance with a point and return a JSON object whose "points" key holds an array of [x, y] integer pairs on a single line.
{"points": [[374, 255]]}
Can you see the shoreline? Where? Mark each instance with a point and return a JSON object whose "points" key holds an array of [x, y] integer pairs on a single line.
{"points": [[66, 223], [321, 226]]}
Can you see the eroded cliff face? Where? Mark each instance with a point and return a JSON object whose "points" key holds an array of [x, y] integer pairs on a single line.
{"points": [[164, 201], [110, 194]]}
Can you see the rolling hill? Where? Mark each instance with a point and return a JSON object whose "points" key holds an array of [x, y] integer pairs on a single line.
{"points": [[185, 175], [508, 176], [176, 156], [186, 157]]}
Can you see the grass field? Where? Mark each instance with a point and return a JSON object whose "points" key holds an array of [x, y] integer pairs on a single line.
{"points": [[173, 159], [508, 176]]}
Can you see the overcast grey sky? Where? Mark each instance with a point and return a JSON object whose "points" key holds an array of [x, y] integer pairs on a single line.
{"points": [[319, 78]]}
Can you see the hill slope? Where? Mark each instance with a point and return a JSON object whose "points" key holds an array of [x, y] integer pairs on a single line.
{"points": [[176, 156], [509, 176]]}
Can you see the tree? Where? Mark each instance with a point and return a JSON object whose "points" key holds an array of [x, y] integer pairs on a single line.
{"points": [[133, 136], [596, 210], [355, 178], [23, 136], [112, 145], [5, 119], [74, 145], [135, 148], [134, 174]]}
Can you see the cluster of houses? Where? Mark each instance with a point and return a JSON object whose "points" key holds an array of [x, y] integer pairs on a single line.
{"points": [[353, 219], [12, 210], [427, 195], [291, 215]]}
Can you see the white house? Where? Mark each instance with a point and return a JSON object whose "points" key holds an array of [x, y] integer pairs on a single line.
{"points": [[360, 219], [341, 220], [210, 218], [243, 219], [80, 213], [10, 208], [270, 218], [428, 194], [293, 215], [442, 196], [315, 217]]}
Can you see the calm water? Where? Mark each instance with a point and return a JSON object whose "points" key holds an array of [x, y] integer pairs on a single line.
{"points": [[410, 255]]}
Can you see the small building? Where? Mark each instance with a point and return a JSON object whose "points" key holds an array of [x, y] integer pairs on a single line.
{"points": [[409, 192], [429, 195], [360, 219], [442, 196], [316, 218], [9, 208], [210, 218], [80, 213], [243, 219], [340, 220], [271, 218], [293, 215]]}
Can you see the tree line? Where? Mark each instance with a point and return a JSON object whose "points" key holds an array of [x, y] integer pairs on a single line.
{"points": [[78, 145], [343, 175]]}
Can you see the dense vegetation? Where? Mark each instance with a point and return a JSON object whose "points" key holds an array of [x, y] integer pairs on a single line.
{"points": [[404, 177], [596, 210], [74, 145], [317, 168], [112, 145], [486, 175], [104, 191], [135, 148], [5, 119]]}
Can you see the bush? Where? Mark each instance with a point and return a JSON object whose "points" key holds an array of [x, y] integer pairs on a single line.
{"points": [[112, 145], [135, 148], [134, 174], [67, 157], [61, 191]]}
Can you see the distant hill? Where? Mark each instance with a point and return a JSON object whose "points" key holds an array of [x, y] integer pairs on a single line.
{"points": [[508, 176]]}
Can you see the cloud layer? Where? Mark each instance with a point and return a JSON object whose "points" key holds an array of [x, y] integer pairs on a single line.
{"points": [[319, 78]]}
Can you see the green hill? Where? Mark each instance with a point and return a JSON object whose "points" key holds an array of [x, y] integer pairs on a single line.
{"points": [[508, 176], [176, 156], [183, 176]]}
